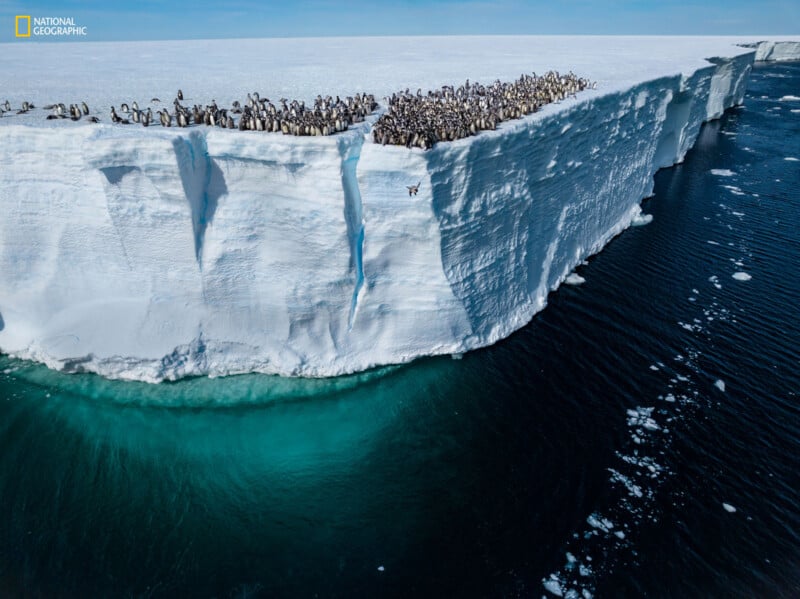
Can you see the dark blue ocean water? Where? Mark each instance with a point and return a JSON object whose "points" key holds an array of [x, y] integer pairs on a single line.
{"points": [[601, 450]]}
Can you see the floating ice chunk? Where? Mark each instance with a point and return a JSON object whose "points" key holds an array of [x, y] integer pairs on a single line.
{"points": [[729, 508], [620, 534], [670, 398], [792, 158], [575, 279], [734, 190], [789, 98], [381, 568], [741, 276], [634, 490], [587, 594], [715, 280], [570, 558], [553, 586], [722, 172], [641, 219], [712, 242], [795, 110], [720, 384], [596, 521], [456, 356], [653, 367]]}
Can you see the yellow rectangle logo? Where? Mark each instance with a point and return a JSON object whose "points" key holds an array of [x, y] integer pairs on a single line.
{"points": [[27, 29]]}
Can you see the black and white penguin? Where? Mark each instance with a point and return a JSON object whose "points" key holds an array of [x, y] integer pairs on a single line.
{"points": [[85, 108], [180, 94]]}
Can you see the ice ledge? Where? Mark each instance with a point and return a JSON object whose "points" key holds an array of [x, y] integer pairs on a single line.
{"points": [[168, 255]]}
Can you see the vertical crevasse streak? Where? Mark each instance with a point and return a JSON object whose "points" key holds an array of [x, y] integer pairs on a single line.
{"points": [[354, 216], [203, 184]]}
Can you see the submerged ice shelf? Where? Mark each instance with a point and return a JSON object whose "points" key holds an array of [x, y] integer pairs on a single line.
{"points": [[160, 253]]}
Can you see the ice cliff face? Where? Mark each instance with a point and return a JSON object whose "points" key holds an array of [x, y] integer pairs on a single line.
{"points": [[174, 253]]}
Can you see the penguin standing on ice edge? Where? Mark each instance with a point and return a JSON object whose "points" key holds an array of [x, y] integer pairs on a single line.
{"points": [[413, 189]]}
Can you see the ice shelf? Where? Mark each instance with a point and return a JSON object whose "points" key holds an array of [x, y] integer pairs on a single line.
{"points": [[153, 254]]}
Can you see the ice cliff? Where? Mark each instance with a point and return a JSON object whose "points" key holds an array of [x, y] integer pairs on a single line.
{"points": [[156, 254]]}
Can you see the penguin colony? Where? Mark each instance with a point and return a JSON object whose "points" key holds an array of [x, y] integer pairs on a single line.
{"points": [[417, 120], [411, 120], [327, 116]]}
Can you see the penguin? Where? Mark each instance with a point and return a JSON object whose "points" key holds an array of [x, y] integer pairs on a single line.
{"points": [[124, 107], [85, 108], [180, 94], [413, 189], [94, 119], [135, 105], [231, 124], [154, 100], [7, 106]]}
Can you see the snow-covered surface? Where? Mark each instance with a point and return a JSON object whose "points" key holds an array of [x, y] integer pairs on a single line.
{"points": [[158, 253]]}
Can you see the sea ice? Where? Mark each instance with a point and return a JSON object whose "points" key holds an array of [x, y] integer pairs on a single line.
{"points": [[722, 172], [734, 190], [728, 507], [741, 276], [720, 384], [553, 586], [574, 279]]}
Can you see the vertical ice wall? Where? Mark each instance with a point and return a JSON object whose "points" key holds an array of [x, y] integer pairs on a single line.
{"points": [[172, 253]]}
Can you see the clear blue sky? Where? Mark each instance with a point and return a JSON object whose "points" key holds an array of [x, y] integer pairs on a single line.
{"points": [[200, 19]]}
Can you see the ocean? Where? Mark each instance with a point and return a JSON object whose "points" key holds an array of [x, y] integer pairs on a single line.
{"points": [[640, 437]]}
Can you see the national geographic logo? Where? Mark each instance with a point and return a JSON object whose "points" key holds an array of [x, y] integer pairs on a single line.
{"points": [[27, 26]]}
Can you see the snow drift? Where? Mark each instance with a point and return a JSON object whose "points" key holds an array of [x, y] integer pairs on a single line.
{"points": [[156, 254]]}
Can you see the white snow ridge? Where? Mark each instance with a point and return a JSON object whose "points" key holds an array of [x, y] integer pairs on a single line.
{"points": [[156, 253]]}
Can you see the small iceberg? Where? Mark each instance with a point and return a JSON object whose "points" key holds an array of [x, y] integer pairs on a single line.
{"points": [[574, 279]]}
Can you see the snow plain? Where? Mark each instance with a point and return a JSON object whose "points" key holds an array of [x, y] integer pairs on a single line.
{"points": [[153, 254]]}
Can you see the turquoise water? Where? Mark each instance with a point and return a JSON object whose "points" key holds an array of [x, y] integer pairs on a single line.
{"points": [[596, 448]]}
